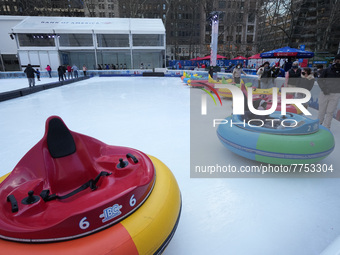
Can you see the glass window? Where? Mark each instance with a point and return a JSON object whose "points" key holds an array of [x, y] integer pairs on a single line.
{"points": [[148, 40], [240, 17], [40, 40], [250, 29], [251, 17], [238, 38], [113, 40], [222, 4], [75, 40]]}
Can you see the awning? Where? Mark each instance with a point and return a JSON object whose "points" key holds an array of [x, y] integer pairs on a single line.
{"points": [[87, 25], [287, 52]]}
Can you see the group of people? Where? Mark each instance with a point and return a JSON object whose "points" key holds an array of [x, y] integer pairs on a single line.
{"points": [[62, 71], [327, 79], [267, 74], [71, 72]]}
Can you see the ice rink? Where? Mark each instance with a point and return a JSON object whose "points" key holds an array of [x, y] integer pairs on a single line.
{"points": [[237, 216]]}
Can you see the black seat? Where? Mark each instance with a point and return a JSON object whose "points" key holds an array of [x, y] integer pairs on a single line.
{"points": [[60, 141]]}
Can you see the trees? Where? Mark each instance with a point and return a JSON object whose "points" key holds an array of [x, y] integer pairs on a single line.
{"points": [[313, 23], [277, 22], [333, 20], [133, 8]]}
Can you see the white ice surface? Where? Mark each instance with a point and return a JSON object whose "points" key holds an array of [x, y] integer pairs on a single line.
{"points": [[262, 216], [19, 83]]}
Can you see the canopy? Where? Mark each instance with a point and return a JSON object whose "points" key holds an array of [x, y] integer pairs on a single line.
{"points": [[287, 52], [256, 56], [208, 57], [240, 58], [87, 25]]}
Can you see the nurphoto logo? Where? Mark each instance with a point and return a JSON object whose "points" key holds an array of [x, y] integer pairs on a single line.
{"points": [[239, 97]]}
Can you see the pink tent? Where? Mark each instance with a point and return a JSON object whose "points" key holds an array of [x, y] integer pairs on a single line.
{"points": [[197, 58], [208, 57], [256, 56], [239, 58]]}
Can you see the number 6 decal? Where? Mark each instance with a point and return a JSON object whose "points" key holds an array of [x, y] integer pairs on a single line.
{"points": [[132, 200], [83, 224]]}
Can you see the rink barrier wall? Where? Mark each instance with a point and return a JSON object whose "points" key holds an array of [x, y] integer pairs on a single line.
{"points": [[108, 73], [30, 90], [157, 74], [129, 72], [102, 73]]}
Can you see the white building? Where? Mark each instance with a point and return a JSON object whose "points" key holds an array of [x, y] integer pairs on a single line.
{"points": [[8, 47], [55, 41]]}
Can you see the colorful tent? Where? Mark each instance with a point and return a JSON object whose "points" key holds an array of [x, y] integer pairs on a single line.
{"points": [[240, 58], [256, 56], [287, 52]]}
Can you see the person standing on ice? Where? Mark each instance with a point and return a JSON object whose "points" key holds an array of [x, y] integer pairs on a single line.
{"points": [[49, 70], [84, 69], [211, 72], [29, 71], [38, 74], [69, 72], [307, 82], [237, 72], [61, 73], [329, 83], [293, 76], [265, 76], [75, 71], [64, 70]]}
